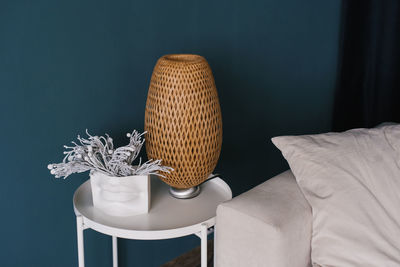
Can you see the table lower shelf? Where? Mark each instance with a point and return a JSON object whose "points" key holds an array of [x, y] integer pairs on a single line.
{"points": [[192, 258]]}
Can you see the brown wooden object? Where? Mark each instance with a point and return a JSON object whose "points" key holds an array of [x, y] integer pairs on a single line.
{"points": [[183, 119]]}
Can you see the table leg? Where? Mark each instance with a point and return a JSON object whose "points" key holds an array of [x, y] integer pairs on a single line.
{"points": [[215, 245], [203, 245], [79, 231], [115, 251]]}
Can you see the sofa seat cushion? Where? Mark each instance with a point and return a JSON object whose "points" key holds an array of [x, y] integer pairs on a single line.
{"points": [[352, 182]]}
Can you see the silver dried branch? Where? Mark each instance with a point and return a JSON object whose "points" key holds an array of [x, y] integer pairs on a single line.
{"points": [[97, 153]]}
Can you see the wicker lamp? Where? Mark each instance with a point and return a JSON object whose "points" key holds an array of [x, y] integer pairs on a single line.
{"points": [[183, 121]]}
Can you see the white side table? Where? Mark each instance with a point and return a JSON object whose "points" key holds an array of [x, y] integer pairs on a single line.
{"points": [[168, 217]]}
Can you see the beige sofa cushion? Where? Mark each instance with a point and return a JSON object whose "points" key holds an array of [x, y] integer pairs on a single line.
{"points": [[352, 182], [269, 225]]}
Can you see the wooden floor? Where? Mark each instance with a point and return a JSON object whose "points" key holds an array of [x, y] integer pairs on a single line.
{"points": [[192, 258]]}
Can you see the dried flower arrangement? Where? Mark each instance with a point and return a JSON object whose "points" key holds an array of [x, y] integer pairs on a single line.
{"points": [[97, 153]]}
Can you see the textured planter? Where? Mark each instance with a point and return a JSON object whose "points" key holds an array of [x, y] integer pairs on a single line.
{"points": [[120, 196], [183, 119]]}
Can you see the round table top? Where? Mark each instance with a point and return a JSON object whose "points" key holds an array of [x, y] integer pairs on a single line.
{"points": [[168, 217]]}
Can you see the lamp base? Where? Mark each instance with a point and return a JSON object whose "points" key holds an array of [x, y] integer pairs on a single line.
{"points": [[185, 193]]}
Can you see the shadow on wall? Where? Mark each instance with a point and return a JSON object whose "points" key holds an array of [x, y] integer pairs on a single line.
{"points": [[260, 100], [244, 105]]}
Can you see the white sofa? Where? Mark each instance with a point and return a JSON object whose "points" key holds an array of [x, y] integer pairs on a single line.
{"points": [[269, 225]]}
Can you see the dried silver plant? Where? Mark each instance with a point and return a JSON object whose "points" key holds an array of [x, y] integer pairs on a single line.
{"points": [[97, 153]]}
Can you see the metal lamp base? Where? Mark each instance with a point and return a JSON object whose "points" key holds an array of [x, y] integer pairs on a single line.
{"points": [[184, 193]]}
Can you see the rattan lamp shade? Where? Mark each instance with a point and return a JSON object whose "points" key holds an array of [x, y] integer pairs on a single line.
{"points": [[183, 119]]}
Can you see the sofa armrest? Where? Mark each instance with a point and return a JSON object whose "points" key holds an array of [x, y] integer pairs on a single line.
{"points": [[269, 225]]}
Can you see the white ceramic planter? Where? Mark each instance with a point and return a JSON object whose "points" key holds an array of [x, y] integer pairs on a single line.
{"points": [[120, 196]]}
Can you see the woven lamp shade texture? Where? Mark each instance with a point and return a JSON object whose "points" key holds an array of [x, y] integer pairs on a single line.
{"points": [[183, 119]]}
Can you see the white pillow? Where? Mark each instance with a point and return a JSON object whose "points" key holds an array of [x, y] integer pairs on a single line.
{"points": [[352, 182]]}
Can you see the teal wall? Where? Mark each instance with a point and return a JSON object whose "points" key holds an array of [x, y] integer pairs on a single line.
{"points": [[70, 65]]}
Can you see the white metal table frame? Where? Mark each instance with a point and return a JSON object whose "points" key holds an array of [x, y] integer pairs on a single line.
{"points": [[202, 230]]}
